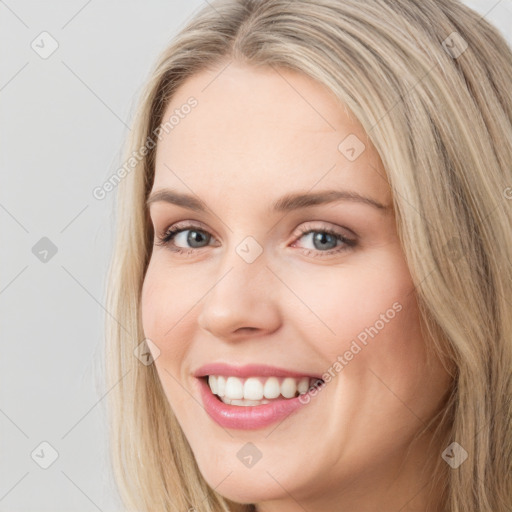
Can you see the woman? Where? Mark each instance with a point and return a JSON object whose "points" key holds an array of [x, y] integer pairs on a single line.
{"points": [[252, 367]]}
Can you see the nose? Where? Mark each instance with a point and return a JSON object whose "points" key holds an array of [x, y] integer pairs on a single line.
{"points": [[243, 300]]}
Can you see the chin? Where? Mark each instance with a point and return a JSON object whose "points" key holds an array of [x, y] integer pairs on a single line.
{"points": [[262, 482]]}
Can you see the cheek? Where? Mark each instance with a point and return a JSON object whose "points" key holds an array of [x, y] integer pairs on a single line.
{"points": [[372, 299], [163, 302], [383, 352], [162, 305], [373, 339]]}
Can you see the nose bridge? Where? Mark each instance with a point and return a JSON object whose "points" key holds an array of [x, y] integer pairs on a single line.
{"points": [[241, 294], [242, 273], [246, 259]]}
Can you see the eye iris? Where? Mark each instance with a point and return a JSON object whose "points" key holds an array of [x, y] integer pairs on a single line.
{"points": [[193, 237], [320, 237]]}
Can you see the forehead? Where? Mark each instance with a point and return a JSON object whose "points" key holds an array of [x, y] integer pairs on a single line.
{"points": [[263, 130]]}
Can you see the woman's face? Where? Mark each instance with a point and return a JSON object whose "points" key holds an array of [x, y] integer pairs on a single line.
{"points": [[298, 288]]}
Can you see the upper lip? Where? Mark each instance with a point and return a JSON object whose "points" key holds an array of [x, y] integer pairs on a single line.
{"points": [[249, 370]]}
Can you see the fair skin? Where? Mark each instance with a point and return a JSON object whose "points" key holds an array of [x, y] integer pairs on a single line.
{"points": [[254, 136]]}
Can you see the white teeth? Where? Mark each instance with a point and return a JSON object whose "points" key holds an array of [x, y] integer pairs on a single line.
{"points": [[221, 385], [253, 389], [212, 381], [256, 390], [272, 388], [234, 388], [303, 385], [244, 402], [289, 387]]}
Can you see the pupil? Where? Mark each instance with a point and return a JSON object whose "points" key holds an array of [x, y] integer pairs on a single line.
{"points": [[193, 238], [320, 237]]}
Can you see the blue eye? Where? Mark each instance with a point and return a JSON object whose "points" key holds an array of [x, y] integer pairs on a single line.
{"points": [[195, 236], [320, 237], [198, 236]]}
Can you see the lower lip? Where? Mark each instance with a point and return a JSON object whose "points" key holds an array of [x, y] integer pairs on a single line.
{"points": [[246, 417]]}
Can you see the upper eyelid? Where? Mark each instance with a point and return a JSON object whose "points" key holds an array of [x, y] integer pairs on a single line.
{"points": [[302, 229]]}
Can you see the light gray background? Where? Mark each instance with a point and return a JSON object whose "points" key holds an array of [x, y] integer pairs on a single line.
{"points": [[64, 119]]}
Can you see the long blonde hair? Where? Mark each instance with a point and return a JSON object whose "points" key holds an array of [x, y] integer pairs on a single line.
{"points": [[429, 80]]}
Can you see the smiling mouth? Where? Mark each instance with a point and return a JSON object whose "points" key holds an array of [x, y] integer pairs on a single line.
{"points": [[253, 391]]}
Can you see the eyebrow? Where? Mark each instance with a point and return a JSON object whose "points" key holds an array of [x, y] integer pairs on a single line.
{"points": [[286, 203]]}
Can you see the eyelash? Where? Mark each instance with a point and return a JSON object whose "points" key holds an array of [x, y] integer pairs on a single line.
{"points": [[167, 237]]}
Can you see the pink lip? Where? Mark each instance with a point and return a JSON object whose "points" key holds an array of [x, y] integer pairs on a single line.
{"points": [[250, 370], [246, 418]]}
